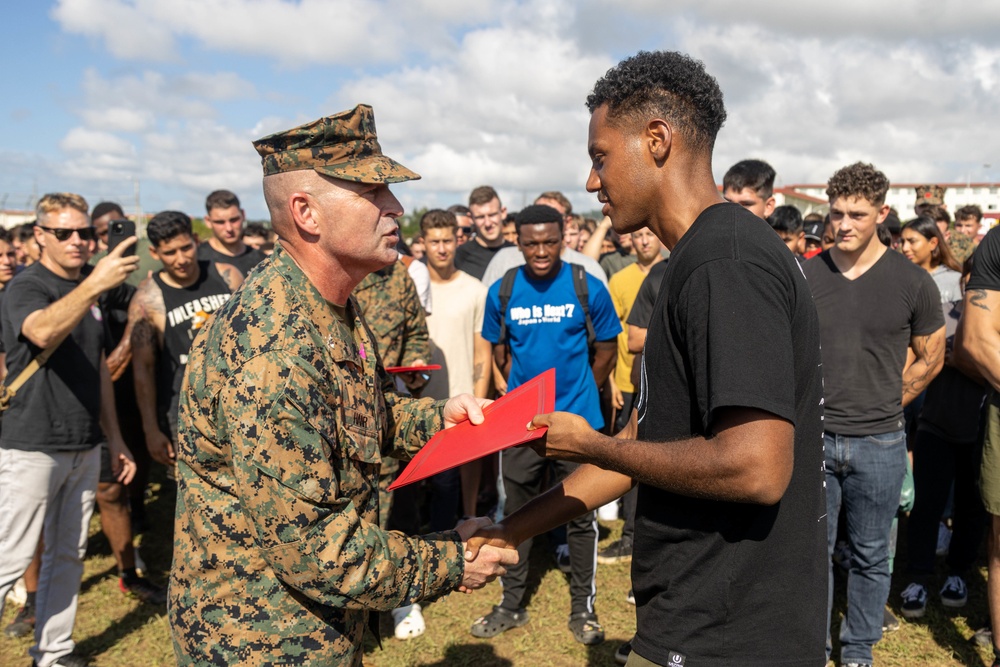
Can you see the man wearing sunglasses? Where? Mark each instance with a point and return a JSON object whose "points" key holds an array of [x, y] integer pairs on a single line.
{"points": [[488, 215], [50, 457], [225, 218]]}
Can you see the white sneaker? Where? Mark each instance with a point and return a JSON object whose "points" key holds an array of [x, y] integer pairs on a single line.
{"points": [[408, 622], [18, 594]]}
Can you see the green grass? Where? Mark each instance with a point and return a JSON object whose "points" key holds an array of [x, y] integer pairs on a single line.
{"points": [[115, 631]]}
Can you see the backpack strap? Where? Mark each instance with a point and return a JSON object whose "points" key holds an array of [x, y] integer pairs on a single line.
{"points": [[506, 289], [583, 295]]}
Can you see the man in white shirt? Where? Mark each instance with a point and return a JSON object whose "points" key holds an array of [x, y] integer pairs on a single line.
{"points": [[456, 342]]}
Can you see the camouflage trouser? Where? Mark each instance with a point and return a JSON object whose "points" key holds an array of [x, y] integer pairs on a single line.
{"points": [[389, 469]]}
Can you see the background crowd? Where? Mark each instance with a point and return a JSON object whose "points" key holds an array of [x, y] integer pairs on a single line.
{"points": [[130, 320]]}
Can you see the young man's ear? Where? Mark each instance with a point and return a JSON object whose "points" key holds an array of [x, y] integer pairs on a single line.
{"points": [[769, 206]]}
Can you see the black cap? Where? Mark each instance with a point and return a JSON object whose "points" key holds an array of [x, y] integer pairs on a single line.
{"points": [[814, 230]]}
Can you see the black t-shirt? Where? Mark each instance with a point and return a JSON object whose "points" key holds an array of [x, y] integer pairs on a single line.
{"points": [[58, 408], [474, 258], [986, 263], [2, 348], [186, 310], [866, 325], [725, 583], [642, 307], [986, 274], [249, 259]]}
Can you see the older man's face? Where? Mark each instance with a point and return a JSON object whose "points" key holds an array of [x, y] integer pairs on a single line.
{"points": [[358, 224]]}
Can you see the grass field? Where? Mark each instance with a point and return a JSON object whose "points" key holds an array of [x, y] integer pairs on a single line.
{"points": [[115, 631]]}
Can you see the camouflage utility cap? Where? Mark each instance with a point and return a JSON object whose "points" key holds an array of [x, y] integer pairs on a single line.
{"points": [[343, 145], [930, 194]]}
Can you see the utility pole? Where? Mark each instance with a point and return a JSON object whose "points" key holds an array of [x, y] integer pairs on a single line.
{"points": [[140, 221]]}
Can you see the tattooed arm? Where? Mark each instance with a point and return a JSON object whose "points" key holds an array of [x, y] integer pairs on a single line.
{"points": [[146, 316], [977, 341], [229, 273], [482, 364], [928, 362]]}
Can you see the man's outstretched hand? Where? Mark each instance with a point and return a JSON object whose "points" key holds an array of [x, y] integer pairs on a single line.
{"points": [[569, 437], [486, 557], [462, 407], [494, 535]]}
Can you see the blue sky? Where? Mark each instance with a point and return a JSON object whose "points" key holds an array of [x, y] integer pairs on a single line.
{"points": [[102, 94]]}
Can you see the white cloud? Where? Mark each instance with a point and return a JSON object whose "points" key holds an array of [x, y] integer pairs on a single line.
{"points": [[914, 108], [308, 31], [468, 93], [119, 118], [83, 140]]}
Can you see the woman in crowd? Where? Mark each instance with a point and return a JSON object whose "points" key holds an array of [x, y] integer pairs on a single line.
{"points": [[946, 443]]}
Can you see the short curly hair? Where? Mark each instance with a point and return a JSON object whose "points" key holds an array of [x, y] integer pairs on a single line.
{"points": [[860, 180], [664, 84]]}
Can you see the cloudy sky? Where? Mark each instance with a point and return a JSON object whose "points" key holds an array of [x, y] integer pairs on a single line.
{"points": [[107, 97]]}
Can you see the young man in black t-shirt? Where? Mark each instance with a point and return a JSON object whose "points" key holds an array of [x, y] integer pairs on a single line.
{"points": [[167, 312], [488, 214], [226, 219], [977, 343], [725, 442], [49, 447], [750, 183], [873, 304]]}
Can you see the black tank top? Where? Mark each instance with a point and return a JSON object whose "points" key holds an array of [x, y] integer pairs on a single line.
{"points": [[187, 309]]}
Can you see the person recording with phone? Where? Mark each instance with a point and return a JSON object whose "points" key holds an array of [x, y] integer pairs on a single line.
{"points": [[50, 457]]}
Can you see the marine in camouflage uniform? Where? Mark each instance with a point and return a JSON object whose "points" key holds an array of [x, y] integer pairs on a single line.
{"points": [[285, 417], [961, 246], [391, 306]]}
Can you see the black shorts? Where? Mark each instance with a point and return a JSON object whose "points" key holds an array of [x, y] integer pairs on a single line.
{"points": [[107, 476]]}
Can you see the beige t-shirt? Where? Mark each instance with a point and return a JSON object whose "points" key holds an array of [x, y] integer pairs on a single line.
{"points": [[458, 315]]}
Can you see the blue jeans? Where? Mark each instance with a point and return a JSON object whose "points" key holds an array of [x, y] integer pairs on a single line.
{"points": [[864, 474]]}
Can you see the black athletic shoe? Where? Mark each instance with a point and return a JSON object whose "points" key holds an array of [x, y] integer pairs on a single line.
{"points": [[144, 589], [619, 551], [562, 559], [23, 624], [623, 652]]}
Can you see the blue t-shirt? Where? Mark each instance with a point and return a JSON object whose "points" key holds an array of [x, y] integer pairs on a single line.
{"points": [[546, 329]]}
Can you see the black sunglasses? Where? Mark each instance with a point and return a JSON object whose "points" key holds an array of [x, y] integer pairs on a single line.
{"points": [[86, 233], [465, 230]]}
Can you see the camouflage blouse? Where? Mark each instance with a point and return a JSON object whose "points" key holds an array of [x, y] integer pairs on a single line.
{"points": [[285, 415]]}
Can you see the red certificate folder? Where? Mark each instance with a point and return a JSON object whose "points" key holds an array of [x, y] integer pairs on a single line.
{"points": [[505, 425], [412, 369]]}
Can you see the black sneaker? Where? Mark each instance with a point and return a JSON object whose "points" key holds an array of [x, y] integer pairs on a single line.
{"points": [[856, 664], [954, 593], [23, 624], [562, 559], [143, 589], [619, 551], [914, 600], [623, 652], [630, 597]]}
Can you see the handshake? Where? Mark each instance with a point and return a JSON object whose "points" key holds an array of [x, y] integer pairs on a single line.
{"points": [[489, 549]]}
